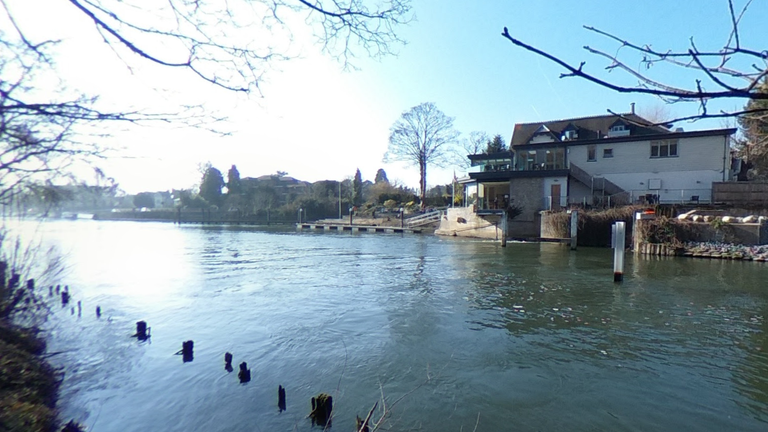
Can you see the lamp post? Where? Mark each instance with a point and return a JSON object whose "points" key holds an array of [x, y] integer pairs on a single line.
{"points": [[299, 217]]}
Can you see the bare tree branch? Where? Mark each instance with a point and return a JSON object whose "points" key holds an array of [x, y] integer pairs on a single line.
{"points": [[693, 59]]}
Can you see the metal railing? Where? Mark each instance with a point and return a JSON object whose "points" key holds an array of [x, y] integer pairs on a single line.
{"points": [[424, 219]]}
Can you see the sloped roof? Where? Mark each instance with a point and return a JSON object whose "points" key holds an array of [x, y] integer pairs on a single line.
{"points": [[588, 128]]}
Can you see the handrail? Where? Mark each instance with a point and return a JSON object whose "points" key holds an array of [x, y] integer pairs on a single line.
{"points": [[425, 218]]}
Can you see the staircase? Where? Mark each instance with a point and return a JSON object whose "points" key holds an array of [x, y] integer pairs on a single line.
{"points": [[424, 219], [598, 185]]}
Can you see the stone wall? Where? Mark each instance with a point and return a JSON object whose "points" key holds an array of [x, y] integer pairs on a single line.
{"points": [[748, 234], [528, 194]]}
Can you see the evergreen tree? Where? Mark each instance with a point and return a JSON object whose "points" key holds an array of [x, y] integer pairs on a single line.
{"points": [[233, 181], [381, 177], [495, 145], [211, 185], [357, 189]]}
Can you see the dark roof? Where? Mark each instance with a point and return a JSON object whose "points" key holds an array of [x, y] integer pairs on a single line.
{"points": [[490, 156], [588, 128]]}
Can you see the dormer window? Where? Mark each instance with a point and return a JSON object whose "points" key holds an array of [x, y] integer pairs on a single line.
{"points": [[618, 129], [570, 135]]}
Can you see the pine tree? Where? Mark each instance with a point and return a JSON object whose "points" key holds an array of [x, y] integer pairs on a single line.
{"points": [[233, 181], [357, 189]]}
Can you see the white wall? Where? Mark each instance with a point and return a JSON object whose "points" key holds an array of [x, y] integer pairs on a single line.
{"points": [[700, 161]]}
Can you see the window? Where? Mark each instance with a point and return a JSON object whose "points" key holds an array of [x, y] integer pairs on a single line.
{"points": [[569, 135], [666, 148], [618, 128], [591, 153], [608, 153]]}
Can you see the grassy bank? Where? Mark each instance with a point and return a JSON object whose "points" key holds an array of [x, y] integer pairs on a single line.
{"points": [[28, 384]]}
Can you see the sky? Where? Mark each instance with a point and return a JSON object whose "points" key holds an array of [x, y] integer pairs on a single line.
{"points": [[317, 121]]}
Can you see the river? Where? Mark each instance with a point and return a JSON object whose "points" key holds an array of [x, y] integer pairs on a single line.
{"points": [[458, 335]]}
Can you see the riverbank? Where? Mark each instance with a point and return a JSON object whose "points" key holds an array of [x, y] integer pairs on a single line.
{"points": [[726, 251], [28, 384]]}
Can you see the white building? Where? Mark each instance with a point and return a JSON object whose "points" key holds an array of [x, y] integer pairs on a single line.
{"points": [[600, 160]]}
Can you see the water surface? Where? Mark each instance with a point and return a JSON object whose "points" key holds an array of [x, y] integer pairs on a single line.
{"points": [[531, 337]]}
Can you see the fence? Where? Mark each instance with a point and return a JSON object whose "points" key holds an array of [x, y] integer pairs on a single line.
{"points": [[740, 193]]}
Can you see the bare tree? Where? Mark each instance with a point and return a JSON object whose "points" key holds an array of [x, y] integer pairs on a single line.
{"points": [[422, 136], [228, 44], [38, 136], [232, 43], [712, 66], [474, 144]]}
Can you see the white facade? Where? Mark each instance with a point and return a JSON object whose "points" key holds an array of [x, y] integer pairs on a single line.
{"points": [[684, 176]]}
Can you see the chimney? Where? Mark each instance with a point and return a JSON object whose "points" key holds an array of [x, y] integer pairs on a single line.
{"points": [[632, 108]]}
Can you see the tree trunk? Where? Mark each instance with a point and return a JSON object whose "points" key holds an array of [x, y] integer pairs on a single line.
{"points": [[423, 183]]}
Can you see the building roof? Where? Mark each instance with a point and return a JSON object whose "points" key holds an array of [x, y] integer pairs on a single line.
{"points": [[587, 128]]}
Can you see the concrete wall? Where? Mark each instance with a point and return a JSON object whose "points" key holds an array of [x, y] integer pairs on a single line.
{"points": [[463, 222], [700, 161]]}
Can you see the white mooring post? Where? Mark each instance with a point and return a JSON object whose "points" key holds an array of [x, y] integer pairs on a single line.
{"points": [[618, 230], [574, 228], [504, 229]]}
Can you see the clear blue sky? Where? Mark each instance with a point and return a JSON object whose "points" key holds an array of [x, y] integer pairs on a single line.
{"points": [[318, 122]]}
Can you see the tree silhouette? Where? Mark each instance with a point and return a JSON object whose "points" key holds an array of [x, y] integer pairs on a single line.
{"points": [[422, 136], [712, 66], [211, 185]]}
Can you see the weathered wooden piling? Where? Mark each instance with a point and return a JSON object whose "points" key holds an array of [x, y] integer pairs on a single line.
{"points": [[64, 298], [574, 231], [79, 308], [31, 284], [98, 311], [58, 289], [228, 358], [281, 398], [50, 291], [187, 351], [244, 374], [141, 330], [322, 407]]}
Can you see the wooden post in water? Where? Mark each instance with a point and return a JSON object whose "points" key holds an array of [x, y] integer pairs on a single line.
{"points": [[244, 374], [504, 228], [281, 398], [618, 230], [574, 228], [187, 351], [322, 407], [141, 330]]}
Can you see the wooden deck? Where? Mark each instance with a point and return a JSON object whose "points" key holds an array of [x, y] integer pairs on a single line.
{"points": [[357, 228]]}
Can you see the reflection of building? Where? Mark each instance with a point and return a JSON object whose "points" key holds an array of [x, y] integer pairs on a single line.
{"points": [[601, 160]]}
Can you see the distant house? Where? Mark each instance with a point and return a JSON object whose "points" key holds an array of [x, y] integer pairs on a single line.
{"points": [[600, 160], [285, 188]]}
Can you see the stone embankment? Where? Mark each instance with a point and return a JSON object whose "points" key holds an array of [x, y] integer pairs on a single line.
{"points": [[726, 251]]}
